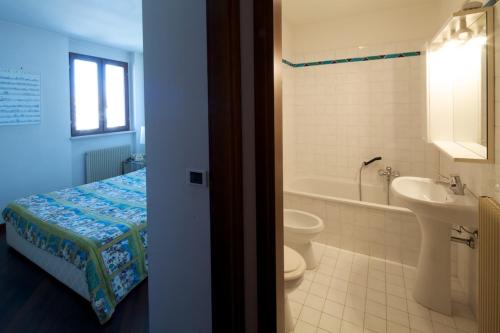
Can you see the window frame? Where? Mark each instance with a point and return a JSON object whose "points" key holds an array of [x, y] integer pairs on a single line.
{"points": [[101, 84]]}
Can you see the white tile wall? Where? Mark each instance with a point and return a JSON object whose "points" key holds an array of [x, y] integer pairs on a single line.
{"points": [[346, 113]]}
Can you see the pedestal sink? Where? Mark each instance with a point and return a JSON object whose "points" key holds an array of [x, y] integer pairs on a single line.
{"points": [[437, 210]]}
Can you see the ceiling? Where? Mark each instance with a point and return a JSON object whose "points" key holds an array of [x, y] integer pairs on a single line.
{"points": [[111, 22], [307, 11]]}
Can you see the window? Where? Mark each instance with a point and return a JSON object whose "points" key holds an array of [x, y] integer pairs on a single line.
{"points": [[99, 95]]}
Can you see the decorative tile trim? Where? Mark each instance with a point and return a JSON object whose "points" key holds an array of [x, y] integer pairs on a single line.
{"points": [[358, 59]]}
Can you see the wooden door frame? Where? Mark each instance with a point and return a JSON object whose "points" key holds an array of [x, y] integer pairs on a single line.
{"points": [[230, 308]]}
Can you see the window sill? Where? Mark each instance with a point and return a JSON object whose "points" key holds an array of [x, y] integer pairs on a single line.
{"points": [[94, 136]]}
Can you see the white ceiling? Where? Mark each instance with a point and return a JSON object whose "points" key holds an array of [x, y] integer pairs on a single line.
{"points": [[111, 22], [307, 11]]}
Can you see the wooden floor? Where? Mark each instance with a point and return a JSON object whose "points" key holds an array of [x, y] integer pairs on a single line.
{"points": [[32, 301]]}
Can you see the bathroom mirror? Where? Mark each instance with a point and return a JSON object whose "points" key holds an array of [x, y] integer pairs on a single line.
{"points": [[460, 77]]}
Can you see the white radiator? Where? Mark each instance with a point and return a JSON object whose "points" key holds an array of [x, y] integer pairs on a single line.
{"points": [[105, 163], [489, 266]]}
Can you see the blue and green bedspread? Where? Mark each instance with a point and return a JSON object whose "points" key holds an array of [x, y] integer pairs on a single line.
{"points": [[100, 228]]}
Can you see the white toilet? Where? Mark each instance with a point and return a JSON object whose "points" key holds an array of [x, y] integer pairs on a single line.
{"points": [[295, 266], [300, 229]]}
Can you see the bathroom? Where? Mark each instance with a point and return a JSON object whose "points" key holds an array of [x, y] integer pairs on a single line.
{"points": [[355, 118]]}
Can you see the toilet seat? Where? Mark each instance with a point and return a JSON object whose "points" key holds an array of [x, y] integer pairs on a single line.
{"points": [[295, 265]]}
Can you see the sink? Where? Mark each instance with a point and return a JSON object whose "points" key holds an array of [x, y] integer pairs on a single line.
{"points": [[437, 210], [427, 197]]}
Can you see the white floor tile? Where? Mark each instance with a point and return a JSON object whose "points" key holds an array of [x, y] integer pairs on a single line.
{"points": [[329, 323], [333, 309], [376, 309], [378, 285], [397, 302], [348, 327], [442, 319], [376, 274], [356, 290], [310, 315], [336, 296], [398, 317], [355, 301], [318, 289], [322, 279], [354, 316], [396, 280], [440, 328], [376, 296], [339, 284], [375, 324], [466, 324], [314, 302], [396, 290], [396, 328], [420, 324], [298, 296], [305, 285], [418, 310], [352, 293], [303, 327]]}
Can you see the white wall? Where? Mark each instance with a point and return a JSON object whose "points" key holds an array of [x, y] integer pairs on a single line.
{"points": [[315, 41], [43, 158], [177, 134], [36, 158]]}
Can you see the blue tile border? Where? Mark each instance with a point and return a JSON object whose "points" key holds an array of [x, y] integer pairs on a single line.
{"points": [[357, 59]]}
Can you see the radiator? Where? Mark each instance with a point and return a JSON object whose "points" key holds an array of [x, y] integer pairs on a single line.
{"points": [[489, 266], [105, 163]]}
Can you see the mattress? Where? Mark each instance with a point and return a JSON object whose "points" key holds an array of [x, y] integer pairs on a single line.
{"points": [[62, 270], [93, 238]]}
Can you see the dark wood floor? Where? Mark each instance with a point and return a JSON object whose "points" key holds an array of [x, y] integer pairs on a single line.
{"points": [[32, 301]]}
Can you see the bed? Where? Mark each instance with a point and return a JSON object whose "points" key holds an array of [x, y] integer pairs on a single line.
{"points": [[92, 238]]}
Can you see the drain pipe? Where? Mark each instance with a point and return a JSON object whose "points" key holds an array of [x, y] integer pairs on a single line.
{"points": [[470, 242], [365, 163]]}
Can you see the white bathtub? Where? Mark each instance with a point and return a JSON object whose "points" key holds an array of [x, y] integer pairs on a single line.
{"points": [[370, 227], [344, 191]]}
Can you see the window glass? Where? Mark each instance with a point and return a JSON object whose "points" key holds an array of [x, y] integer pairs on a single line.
{"points": [[115, 96], [86, 95]]}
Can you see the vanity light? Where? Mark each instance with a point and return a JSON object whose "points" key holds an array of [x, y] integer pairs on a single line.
{"points": [[463, 33]]}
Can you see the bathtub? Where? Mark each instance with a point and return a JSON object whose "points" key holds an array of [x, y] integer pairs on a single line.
{"points": [[369, 227], [344, 191]]}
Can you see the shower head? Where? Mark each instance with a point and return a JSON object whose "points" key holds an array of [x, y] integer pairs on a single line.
{"points": [[378, 158]]}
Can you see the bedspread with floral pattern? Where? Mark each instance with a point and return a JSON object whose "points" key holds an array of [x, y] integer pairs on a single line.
{"points": [[101, 228]]}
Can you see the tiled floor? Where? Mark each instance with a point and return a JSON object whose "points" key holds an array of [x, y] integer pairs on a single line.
{"points": [[350, 292]]}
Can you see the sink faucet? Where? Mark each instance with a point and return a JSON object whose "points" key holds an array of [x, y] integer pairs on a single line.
{"points": [[456, 185]]}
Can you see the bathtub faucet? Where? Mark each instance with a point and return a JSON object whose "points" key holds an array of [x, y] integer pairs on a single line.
{"points": [[388, 172]]}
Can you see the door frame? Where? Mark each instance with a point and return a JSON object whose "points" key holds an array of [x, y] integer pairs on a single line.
{"points": [[234, 206]]}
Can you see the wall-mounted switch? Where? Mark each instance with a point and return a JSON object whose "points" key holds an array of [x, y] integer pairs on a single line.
{"points": [[196, 177]]}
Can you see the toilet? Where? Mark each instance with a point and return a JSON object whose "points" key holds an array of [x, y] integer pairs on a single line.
{"points": [[294, 268], [300, 229]]}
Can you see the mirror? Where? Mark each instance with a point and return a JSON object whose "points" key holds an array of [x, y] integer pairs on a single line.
{"points": [[461, 86]]}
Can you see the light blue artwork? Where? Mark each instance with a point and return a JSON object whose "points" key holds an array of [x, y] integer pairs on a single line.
{"points": [[20, 98]]}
